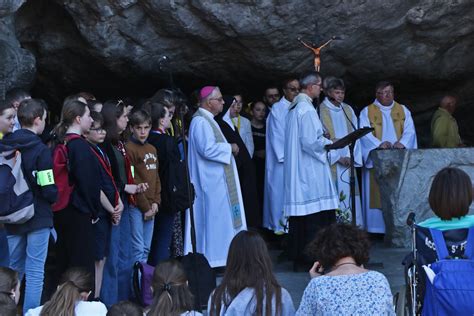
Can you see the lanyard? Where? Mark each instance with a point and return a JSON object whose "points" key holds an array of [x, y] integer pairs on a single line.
{"points": [[238, 123]]}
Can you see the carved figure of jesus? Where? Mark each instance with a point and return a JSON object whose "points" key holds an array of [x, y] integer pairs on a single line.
{"points": [[316, 51]]}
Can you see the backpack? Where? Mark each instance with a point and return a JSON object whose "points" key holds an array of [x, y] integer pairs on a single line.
{"points": [[450, 281], [16, 198], [61, 173], [142, 281], [177, 198], [177, 187]]}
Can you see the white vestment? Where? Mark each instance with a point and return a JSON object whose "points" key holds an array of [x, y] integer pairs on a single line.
{"points": [[273, 217], [212, 211], [341, 175], [307, 176], [373, 217], [245, 132]]}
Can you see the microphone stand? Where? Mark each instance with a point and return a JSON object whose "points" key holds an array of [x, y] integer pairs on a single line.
{"points": [[352, 166], [188, 187], [352, 171]]}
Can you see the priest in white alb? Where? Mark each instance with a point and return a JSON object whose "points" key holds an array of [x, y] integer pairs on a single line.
{"points": [[394, 129], [310, 197], [273, 217], [339, 119], [218, 208]]}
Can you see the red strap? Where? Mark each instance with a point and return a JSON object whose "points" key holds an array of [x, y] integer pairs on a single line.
{"points": [[70, 137], [128, 170], [108, 169]]}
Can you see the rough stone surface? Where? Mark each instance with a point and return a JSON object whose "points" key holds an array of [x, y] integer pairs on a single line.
{"points": [[113, 46], [17, 66], [405, 178]]}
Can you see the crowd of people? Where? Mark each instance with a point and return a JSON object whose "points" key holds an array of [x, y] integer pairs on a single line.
{"points": [[108, 190]]}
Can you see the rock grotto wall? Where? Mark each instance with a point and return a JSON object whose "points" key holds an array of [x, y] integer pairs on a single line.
{"points": [[113, 47]]}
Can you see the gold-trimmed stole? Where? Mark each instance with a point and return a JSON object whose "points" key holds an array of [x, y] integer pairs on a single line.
{"points": [[376, 120]]}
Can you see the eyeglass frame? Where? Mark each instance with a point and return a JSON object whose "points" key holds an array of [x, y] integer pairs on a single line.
{"points": [[221, 99], [98, 130]]}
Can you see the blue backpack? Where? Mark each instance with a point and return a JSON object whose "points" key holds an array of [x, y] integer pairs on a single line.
{"points": [[16, 198], [450, 291]]}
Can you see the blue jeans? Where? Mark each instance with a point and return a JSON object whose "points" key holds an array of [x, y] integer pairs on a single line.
{"points": [[117, 279], [161, 242], [27, 256], [4, 253], [142, 232]]}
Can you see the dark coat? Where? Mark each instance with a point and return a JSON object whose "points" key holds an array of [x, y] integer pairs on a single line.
{"points": [[35, 156], [246, 169]]}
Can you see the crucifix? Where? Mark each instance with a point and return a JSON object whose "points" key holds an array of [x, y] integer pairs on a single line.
{"points": [[316, 51]]}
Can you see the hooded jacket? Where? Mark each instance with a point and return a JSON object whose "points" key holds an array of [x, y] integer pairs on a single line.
{"points": [[36, 157]]}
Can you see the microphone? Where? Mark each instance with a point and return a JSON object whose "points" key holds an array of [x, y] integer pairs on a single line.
{"points": [[347, 118], [345, 114], [411, 219]]}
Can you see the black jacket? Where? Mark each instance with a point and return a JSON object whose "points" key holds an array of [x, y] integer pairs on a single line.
{"points": [[35, 156], [168, 155], [108, 149], [84, 171], [106, 181]]}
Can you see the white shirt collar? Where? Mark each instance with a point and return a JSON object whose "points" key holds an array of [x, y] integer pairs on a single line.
{"points": [[285, 101], [207, 113], [383, 107], [226, 118], [331, 106], [302, 97]]}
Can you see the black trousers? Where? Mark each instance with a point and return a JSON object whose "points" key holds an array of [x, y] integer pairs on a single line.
{"points": [[303, 229], [76, 243]]}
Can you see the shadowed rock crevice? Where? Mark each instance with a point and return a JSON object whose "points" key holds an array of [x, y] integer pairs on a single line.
{"points": [[113, 47]]}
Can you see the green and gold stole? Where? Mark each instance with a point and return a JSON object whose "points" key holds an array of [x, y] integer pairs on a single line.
{"points": [[229, 174]]}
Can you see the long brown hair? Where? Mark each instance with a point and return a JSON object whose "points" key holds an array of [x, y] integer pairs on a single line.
{"points": [[69, 112], [248, 266], [8, 282], [74, 282], [111, 111], [171, 293]]}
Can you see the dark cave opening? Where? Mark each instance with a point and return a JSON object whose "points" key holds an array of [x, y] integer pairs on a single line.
{"points": [[66, 63]]}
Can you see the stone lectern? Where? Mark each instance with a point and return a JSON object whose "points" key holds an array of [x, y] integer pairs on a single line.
{"points": [[405, 177]]}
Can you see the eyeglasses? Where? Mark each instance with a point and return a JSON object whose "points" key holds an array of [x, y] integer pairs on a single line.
{"points": [[292, 89], [273, 95], [98, 130], [221, 99]]}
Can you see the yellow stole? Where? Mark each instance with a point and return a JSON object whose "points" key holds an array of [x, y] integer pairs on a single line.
{"points": [[327, 122], [236, 125], [375, 117], [170, 131]]}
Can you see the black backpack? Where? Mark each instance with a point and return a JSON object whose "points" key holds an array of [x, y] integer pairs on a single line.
{"points": [[176, 194]]}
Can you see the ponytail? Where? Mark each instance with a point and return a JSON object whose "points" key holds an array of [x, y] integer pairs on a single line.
{"points": [[69, 112], [63, 301], [74, 282], [171, 292]]}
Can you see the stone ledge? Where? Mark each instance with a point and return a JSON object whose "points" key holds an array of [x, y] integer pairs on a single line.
{"points": [[405, 178]]}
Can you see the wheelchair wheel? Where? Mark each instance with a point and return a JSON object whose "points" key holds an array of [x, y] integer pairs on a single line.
{"points": [[401, 303]]}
